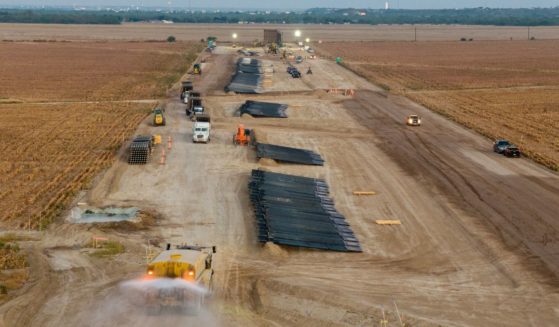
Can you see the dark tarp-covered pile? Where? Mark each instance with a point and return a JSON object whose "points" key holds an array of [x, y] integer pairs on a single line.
{"points": [[287, 154], [247, 78], [298, 211], [264, 109]]}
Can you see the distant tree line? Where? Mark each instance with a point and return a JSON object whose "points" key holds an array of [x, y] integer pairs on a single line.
{"points": [[473, 16], [58, 17]]}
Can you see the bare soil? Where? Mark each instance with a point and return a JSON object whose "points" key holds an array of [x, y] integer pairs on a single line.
{"points": [[500, 89], [250, 32]]}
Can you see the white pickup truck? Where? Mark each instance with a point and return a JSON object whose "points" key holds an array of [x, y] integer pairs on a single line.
{"points": [[201, 129]]}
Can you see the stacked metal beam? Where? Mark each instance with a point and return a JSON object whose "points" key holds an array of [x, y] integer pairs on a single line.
{"points": [[287, 154], [298, 211], [264, 109], [247, 78], [139, 151]]}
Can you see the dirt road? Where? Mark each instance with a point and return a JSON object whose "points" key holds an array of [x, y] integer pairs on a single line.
{"points": [[477, 245]]}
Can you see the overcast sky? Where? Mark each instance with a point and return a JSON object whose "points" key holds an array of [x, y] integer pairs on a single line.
{"points": [[296, 4]]}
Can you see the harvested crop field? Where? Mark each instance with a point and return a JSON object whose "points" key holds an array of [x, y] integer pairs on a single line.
{"points": [[53, 151], [250, 32], [507, 89], [79, 71], [67, 108]]}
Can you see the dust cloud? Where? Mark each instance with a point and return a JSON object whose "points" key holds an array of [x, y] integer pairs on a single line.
{"points": [[125, 305]]}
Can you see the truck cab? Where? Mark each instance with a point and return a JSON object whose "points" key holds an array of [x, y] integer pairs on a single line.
{"points": [[196, 108], [186, 87], [185, 97], [194, 100], [185, 264], [201, 132]]}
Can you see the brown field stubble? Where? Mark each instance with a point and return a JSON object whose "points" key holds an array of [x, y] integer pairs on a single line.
{"points": [[505, 89], [83, 71], [52, 151]]}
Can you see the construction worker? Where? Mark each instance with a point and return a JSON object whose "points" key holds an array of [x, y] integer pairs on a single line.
{"points": [[309, 72]]}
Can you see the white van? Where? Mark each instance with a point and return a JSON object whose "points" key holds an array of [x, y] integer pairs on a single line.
{"points": [[201, 132]]}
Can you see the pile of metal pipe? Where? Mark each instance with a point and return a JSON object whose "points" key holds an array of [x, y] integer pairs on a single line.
{"points": [[298, 211]]}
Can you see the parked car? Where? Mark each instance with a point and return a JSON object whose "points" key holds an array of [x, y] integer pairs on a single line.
{"points": [[290, 69], [296, 74], [512, 151], [500, 145], [299, 59]]}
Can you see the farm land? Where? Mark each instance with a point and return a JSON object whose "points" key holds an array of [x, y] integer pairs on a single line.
{"points": [[67, 107], [507, 89]]}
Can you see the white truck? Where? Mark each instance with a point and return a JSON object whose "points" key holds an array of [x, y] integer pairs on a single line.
{"points": [[201, 129], [186, 97]]}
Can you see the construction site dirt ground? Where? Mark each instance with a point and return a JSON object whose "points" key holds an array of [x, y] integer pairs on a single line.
{"points": [[478, 244]]}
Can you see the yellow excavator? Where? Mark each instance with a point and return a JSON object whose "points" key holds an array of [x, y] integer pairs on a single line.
{"points": [[180, 278]]}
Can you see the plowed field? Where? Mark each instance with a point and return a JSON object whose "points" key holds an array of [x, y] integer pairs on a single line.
{"points": [[66, 109]]}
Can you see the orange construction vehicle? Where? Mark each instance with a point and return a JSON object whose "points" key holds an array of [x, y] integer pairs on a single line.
{"points": [[243, 135]]}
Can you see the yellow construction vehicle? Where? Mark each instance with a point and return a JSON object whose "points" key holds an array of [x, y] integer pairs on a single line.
{"points": [[179, 278], [273, 48], [197, 69], [158, 118]]}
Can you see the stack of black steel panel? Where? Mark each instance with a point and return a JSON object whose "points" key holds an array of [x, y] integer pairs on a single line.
{"points": [[247, 78], [298, 211], [264, 109], [287, 154], [139, 151]]}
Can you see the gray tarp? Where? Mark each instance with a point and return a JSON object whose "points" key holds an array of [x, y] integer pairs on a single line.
{"points": [[264, 109]]}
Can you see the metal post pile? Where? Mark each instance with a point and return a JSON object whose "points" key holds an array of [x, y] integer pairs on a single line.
{"points": [[248, 77], [298, 211], [287, 154], [139, 151]]}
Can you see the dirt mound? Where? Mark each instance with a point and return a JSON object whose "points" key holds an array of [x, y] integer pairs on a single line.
{"points": [[275, 250], [146, 219], [268, 162]]}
